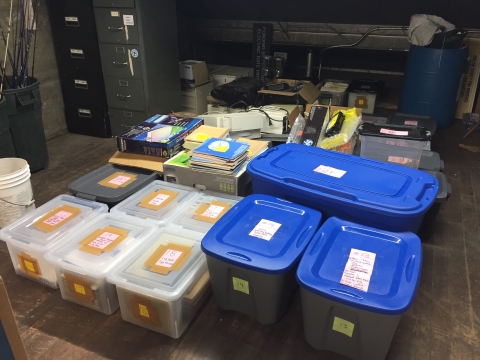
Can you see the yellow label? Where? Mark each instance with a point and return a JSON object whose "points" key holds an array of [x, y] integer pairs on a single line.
{"points": [[143, 310], [360, 102], [241, 285], [201, 137], [79, 289], [29, 266], [343, 326]]}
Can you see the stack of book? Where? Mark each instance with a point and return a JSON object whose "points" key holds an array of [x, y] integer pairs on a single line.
{"points": [[220, 155], [203, 133]]}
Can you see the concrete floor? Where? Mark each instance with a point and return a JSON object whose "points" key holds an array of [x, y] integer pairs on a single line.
{"points": [[443, 322]]}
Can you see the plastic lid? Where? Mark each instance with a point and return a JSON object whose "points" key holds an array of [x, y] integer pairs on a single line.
{"points": [[156, 201], [262, 233], [97, 246], [141, 274], [128, 181], [200, 213], [395, 132], [431, 161], [394, 269], [444, 188], [427, 122], [349, 180], [46, 225], [366, 86]]}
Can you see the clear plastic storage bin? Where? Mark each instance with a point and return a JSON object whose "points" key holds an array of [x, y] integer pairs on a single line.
{"points": [[164, 283], [200, 213], [83, 261], [156, 201], [396, 144], [30, 237]]}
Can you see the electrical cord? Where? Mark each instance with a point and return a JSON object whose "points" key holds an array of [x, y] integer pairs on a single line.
{"points": [[363, 37]]}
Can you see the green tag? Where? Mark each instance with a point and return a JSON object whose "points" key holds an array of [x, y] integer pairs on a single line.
{"points": [[182, 159], [343, 326], [241, 285]]}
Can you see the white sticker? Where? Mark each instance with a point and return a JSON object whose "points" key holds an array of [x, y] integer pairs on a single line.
{"points": [[128, 20], [393, 132], [330, 171], [103, 240], [58, 218], [399, 160], [81, 82], [76, 51], [71, 18], [169, 258], [265, 229], [358, 270], [213, 211], [119, 180], [411, 122], [114, 13], [157, 200], [134, 53], [85, 111]]}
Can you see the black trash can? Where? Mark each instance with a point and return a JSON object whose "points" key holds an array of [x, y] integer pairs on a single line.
{"points": [[24, 109], [6, 142]]}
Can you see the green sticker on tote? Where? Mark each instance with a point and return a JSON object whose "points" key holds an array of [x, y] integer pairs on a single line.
{"points": [[241, 285]]}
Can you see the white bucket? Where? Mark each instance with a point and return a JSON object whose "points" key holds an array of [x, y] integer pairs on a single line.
{"points": [[16, 194]]}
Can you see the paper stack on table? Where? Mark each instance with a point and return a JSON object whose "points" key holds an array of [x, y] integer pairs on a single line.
{"points": [[220, 155]]}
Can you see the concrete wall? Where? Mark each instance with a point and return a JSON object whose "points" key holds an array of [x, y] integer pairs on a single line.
{"points": [[45, 68]]}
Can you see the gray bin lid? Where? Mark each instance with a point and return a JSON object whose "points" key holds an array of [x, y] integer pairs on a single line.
{"points": [[427, 122], [444, 187], [431, 161], [87, 186]]}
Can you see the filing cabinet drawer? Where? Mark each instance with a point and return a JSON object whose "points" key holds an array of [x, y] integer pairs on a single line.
{"points": [[88, 90], [188, 101], [117, 26], [123, 61], [114, 3], [77, 60], [125, 94], [123, 120], [92, 121]]}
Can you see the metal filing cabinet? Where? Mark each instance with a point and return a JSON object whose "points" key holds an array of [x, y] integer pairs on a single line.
{"points": [[139, 50], [80, 69]]}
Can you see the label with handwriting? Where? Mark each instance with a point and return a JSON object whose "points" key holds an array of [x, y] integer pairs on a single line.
{"points": [[394, 132], [119, 180], [159, 199], [103, 240], [58, 218], [265, 229], [358, 269], [169, 258], [213, 211], [330, 171]]}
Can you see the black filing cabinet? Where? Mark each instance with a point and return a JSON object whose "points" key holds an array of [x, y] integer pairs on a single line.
{"points": [[139, 50], [80, 68]]}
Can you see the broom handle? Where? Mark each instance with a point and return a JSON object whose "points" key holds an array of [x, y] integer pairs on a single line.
{"points": [[6, 45]]}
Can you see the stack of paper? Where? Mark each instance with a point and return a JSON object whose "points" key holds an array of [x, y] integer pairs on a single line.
{"points": [[203, 133], [220, 155]]}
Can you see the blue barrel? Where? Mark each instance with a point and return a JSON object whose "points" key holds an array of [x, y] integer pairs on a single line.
{"points": [[431, 82]]}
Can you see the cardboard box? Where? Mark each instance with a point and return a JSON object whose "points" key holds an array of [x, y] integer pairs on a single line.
{"points": [[238, 184], [193, 72], [154, 163], [469, 82], [161, 135], [308, 94]]}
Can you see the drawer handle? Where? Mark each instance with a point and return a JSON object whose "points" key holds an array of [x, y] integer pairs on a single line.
{"points": [[123, 97], [119, 64], [113, 28]]}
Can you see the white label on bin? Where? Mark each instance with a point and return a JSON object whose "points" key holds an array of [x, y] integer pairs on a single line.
{"points": [[71, 18], [213, 211], [76, 51], [128, 20], [58, 218], [169, 258], [393, 132], [265, 229], [159, 199], [119, 180], [114, 13], [399, 160], [358, 270], [103, 240], [81, 82], [330, 171], [411, 122]]}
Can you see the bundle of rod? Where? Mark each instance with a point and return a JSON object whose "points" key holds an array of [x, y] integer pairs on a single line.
{"points": [[24, 33]]}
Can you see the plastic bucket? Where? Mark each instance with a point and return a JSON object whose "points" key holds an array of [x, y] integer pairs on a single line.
{"points": [[16, 194]]}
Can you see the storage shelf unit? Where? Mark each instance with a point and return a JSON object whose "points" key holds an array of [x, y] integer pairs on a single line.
{"points": [[79, 65], [139, 50]]}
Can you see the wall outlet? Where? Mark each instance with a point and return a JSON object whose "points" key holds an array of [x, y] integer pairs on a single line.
{"points": [[280, 54]]}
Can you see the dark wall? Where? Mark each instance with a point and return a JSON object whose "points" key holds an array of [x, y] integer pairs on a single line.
{"points": [[462, 13]]}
